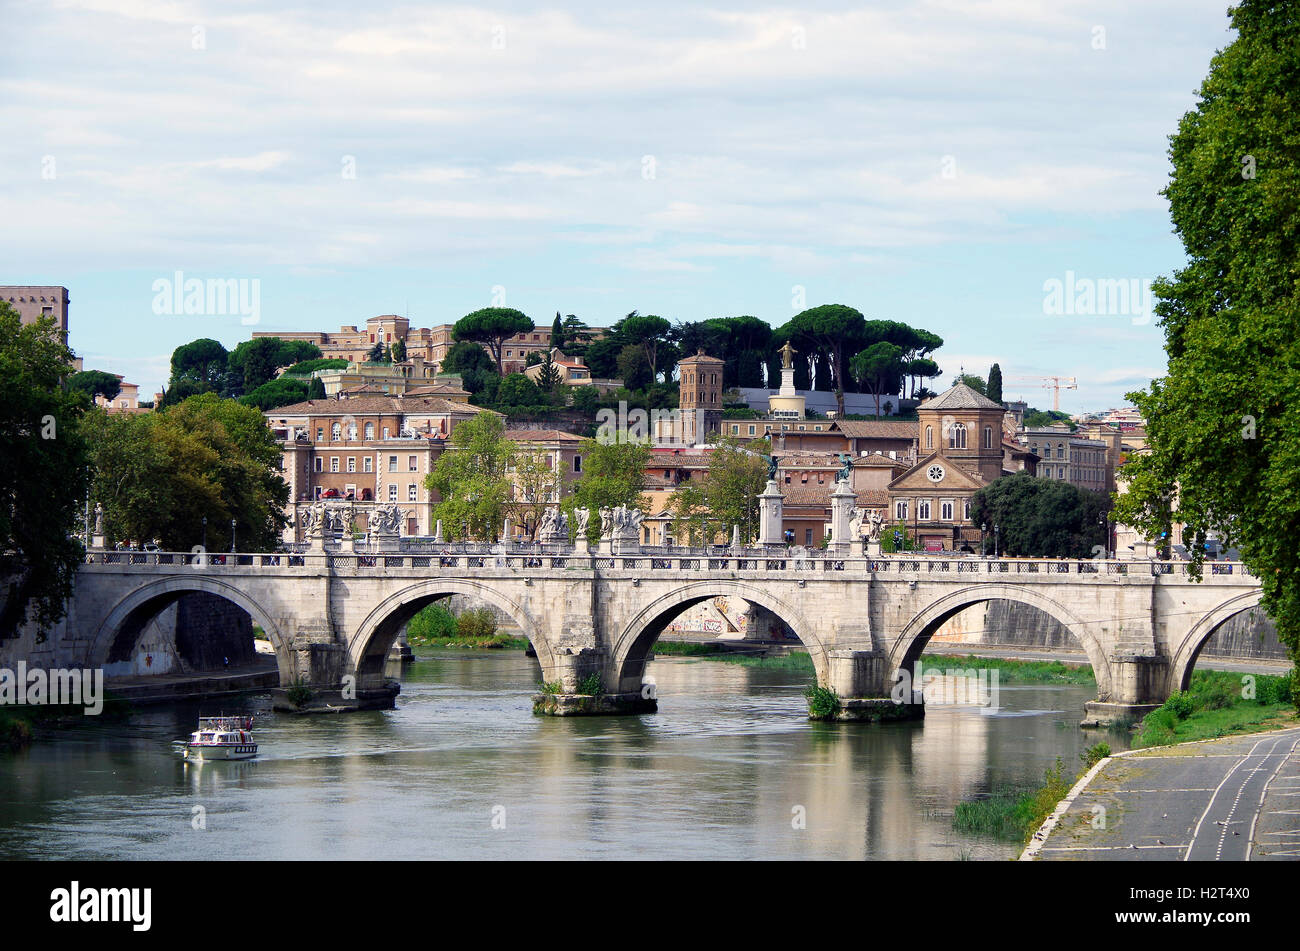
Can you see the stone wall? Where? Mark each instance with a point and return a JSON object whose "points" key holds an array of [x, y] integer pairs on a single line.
{"points": [[1249, 634]]}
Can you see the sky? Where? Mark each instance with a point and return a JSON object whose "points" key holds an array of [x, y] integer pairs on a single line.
{"points": [[960, 165]]}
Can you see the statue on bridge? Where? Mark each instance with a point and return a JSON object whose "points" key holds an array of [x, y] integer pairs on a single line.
{"points": [[846, 468], [875, 522], [99, 519], [580, 518], [387, 519]]}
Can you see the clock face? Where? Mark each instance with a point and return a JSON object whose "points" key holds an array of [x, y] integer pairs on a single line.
{"points": [[934, 473]]}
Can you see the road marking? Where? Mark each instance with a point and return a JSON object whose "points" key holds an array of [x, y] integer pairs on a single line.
{"points": [[1236, 799], [1259, 811]]}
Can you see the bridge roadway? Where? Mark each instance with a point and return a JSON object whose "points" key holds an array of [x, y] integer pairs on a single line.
{"points": [[332, 613]]}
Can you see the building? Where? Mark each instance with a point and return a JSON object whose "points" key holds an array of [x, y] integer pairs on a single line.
{"points": [[366, 450], [35, 302], [700, 397], [960, 453], [414, 376], [126, 401], [1069, 457], [563, 454]]}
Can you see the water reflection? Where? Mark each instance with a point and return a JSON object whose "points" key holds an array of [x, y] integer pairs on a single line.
{"points": [[726, 769]]}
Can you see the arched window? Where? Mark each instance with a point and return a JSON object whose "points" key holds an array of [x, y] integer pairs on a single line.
{"points": [[957, 436], [370, 430], [900, 509], [336, 431], [1060, 450], [929, 437], [988, 437]]}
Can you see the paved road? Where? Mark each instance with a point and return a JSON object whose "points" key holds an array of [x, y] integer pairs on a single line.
{"points": [[1232, 799]]}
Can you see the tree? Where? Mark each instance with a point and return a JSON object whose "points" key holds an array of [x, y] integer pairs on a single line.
{"points": [[1042, 518], [96, 383], [256, 361], [158, 474], [1223, 426], [648, 332], [727, 496], [877, 364], [538, 485], [492, 326], [43, 473], [834, 329], [517, 390], [557, 333], [377, 354], [316, 389], [586, 399], [976, 383], [613, 474], [280, 392], [633, 367], [398, 351], [577, 335], [994, 391], [201, 362], [548, 378], [472, 478]]}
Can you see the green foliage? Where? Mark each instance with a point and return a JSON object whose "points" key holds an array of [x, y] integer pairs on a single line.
{"points": [[1012, 813], [823, 702], [557, 333], [1042, 517], [316, 389], [1040, 419], [96, 383], [158, 474], [876, 366], [255, 362], [613, 474], [378, 353], [432, 622], [727, 495], [398, 351], [491, 326], [299, 694], [994, 390], [202, 364], [1179, 704], [476, 623], [1223, 426], [585, 399], [553, 688], [591, 685], [1216, 703], [548, 378], [15, 733], [517, 390], [896, 539], [306, 367], [279, 392], [43, 472], [471, 477], [1094, 754]]}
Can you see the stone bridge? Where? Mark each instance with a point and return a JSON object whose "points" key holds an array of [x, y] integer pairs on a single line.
{"points": [[333, 616]]}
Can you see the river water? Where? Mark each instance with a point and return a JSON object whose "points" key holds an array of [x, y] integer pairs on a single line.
{"points": [[729, 768]]}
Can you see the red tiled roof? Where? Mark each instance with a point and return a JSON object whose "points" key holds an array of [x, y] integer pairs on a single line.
{"points": [[879, 428]]}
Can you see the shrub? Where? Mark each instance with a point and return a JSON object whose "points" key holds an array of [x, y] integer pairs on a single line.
{"points": [[1180, 704], [1094, 754], [433, 622], [591, 685], [554, 688], [476, 623], [300, 694], [823, 702]]}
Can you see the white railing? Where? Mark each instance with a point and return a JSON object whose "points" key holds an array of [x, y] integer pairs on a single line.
{"points": [[472, 558]]}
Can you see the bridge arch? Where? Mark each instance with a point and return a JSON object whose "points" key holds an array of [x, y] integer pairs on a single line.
{"points": [[909, 644], [639, 635], [124, 624], [1186, 652], [369, 644]]}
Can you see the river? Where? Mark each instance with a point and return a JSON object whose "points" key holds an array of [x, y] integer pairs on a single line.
{"points": [[729, 768]]}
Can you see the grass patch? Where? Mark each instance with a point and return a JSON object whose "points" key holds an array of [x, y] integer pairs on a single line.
{"points": [[494, 642], [1013, 813], [1220, 703], [823, 702], [1016, 671], [435, 626]]}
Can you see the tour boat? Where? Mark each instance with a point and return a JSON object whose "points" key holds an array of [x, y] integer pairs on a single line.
{"points": [[222, 738]]}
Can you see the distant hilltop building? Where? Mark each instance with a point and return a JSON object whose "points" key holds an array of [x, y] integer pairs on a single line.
{"points": [[430, 343], [34, 302]]}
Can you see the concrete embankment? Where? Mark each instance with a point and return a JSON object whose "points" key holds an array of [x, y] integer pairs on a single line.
{"points": [[260, 675]]}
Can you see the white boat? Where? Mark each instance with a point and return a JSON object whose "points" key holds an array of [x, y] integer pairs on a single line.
{"points": [[220, 738]]}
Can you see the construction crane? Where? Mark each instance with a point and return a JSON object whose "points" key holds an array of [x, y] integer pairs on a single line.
{"points": [[1053, 383]]}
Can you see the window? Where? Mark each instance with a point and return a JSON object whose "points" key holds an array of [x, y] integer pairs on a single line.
{"points": [[965, 511], [923, 509], [385, 432], [336, 432], [1060, 472], [735, 430], [370, 430], [411, 464], [945, 510], [900, 509], [334, 463], [929, 437], [410, 493], [1033, 447], [317, 492], [392, 463], [988, 437], [577, 463], [320, 434], [320, 464], [367, 464], [957, 436], [352, 463], [1060, 450], [807, 537], [392, 491]]}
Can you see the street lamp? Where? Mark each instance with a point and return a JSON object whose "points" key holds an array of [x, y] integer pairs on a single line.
{"points": [[205, 533], [984, 530], [995, 539], [232, 536]]}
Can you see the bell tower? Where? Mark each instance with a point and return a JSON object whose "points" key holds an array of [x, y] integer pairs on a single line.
{"points": [[699, 397]]}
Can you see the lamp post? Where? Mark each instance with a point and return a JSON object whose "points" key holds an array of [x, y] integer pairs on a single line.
{"points": [[205, 533], [232, 536], [984, 530], [995, 539]]}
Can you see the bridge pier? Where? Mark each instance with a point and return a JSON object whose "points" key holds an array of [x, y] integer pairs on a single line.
{"points": [[1139, 684], [859, 679], [579, 685]]}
